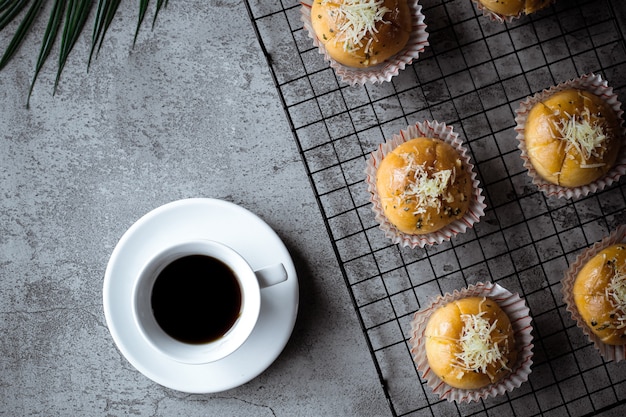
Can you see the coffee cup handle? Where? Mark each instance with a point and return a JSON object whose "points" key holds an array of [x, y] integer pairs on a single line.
{"points": [[271, 275]]}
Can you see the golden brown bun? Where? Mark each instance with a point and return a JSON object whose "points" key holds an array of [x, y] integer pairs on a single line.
{"points": [[389, 39], [443, 330], [404, 210], [535, 5], [515, 7], [590, 295], [548, 152]]}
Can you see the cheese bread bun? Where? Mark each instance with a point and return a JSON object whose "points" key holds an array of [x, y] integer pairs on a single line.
{"points": [[423, 185], [514, 7], [600, 294], [572, 138], [361, 33], [470, 343]]}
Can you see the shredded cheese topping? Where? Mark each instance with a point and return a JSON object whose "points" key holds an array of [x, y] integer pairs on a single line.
{"points": [[478, 347], [426, 188], [585, 137], [359, 19], [616, 294]]}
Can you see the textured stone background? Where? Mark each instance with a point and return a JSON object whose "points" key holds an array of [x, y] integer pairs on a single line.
{"points": [[190, 111]]}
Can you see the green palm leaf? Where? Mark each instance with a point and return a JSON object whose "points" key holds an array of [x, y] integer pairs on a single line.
{"points": [[48, 40], [106, 12], [9, 14], [159, 5], [75, 18], [143, 6], [10, 10], [67, 19]]}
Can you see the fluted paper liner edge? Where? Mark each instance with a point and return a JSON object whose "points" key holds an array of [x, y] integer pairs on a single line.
{"points": [[608, 352], [385, 71], [519, 315], [431, 129], [596, 85]]}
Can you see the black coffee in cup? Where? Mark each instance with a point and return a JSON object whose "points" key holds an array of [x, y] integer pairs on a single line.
{"points": [[196, 299]]}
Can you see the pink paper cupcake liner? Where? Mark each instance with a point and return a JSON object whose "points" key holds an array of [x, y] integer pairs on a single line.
{"points": [[416, 44], [518, 314], [596, 85], [608, 352], [430, 129]]}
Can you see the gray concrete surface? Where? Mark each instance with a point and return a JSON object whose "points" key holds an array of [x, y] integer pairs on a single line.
{"points": [[189, 112]]}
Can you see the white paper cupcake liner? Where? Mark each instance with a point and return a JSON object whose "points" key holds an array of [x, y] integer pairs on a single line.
{"points": [[430, 129], [518, 314], [608, 352], [596, 85], [416, 44]]}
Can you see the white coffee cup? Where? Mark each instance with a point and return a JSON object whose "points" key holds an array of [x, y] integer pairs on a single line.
{"points": [[162, 301]]}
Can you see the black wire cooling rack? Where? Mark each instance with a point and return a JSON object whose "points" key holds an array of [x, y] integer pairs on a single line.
{"points": [[472, 76]]}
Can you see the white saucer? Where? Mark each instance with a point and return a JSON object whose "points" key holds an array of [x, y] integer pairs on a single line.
{"points": [[209, 219]]}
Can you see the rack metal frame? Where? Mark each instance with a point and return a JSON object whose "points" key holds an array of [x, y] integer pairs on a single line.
{"points": [[472, 76]]}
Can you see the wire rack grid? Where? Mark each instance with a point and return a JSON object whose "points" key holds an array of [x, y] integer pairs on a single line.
{"points": [[472, 76]]}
